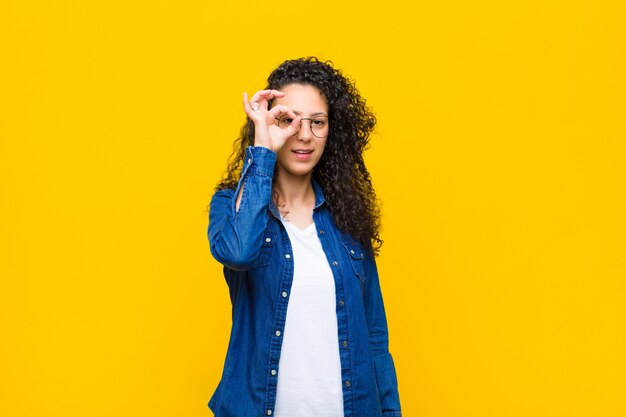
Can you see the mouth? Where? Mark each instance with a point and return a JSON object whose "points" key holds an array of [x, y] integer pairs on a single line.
{"points": [[302, 154]]}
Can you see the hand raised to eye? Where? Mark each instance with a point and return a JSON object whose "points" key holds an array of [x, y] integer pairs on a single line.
{"points": [[267, 133]]}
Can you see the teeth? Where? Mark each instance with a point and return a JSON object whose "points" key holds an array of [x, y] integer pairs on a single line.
{"points": [[303, 151]]}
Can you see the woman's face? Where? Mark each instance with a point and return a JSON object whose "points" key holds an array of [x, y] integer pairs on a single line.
{"points": [[302, 151]]}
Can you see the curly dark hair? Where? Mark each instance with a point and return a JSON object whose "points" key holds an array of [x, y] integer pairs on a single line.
{"points": [[341, 171]]}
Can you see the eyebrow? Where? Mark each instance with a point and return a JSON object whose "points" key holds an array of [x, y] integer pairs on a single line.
{"points": [[319, 113]]}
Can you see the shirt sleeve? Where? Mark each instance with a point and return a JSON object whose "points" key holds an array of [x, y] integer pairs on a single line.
{"points": [[235, 236], [384, 368]]}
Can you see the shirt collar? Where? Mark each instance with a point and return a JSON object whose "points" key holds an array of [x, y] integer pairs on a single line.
{"points": [[319, 193]]}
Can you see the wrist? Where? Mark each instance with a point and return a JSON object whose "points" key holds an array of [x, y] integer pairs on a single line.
{"points": [[264, 143], [259, 160], [262, 137]]}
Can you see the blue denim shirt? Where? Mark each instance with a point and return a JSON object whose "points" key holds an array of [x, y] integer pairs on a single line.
{"points": [[256, 252]]}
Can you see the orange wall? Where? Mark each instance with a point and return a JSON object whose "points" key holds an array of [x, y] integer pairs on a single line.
{"points": [[500, 159]]}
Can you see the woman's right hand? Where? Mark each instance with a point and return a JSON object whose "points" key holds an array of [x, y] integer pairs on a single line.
{"points": [[267, 133]]}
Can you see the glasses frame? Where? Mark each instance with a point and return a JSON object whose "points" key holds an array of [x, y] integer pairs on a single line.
{"points": [[310, 119]]}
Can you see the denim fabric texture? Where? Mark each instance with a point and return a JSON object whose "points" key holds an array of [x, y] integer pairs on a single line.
{"points": [[256, 252]]}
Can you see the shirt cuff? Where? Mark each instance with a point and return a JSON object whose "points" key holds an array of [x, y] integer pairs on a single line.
{"points": [[259, 160]]}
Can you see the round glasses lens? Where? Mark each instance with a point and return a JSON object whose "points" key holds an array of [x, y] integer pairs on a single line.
{"points": [[319, 126]]}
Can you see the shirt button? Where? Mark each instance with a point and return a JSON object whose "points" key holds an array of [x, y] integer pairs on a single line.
{"points": [[284, 294], [348, 383], [341, 302], [249, 160], [351, 251], [273, 371], [277, 333], [268, 239], [335, 263], [287, 256], [344, 343], [269, 412], [321, 232]]}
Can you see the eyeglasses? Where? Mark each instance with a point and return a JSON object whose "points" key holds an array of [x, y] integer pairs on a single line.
{"points": [[318, 124]]}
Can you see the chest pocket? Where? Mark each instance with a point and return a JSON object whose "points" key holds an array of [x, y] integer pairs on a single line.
{"points": [[355, 253], [267, 248]]}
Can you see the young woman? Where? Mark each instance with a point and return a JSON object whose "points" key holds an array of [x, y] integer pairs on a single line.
{"points": [[296, 225]]}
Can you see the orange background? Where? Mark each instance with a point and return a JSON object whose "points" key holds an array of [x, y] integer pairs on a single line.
{"points": [[500, 159]]}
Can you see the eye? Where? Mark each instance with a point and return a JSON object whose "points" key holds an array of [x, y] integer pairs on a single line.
{"points": [[285, 120], [319, 122]]}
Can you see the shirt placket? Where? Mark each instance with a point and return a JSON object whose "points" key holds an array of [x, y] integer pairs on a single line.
{"points": [[279, 322], [342, 315]]}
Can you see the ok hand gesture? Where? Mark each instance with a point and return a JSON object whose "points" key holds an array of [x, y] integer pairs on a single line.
{"points": [[267, 133]]}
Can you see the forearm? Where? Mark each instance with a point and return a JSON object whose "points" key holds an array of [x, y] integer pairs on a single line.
{"points": [[240, 193], [238, 219], [384, 367]]}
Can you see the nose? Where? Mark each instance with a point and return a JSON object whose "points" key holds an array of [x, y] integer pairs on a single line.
{"points": [[305, 133]]}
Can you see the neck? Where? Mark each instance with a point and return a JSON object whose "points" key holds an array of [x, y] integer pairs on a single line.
{"points": [[294, 190]]}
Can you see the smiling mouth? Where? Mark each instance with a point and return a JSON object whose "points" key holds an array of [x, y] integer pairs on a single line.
{"points": [[302, 151]]}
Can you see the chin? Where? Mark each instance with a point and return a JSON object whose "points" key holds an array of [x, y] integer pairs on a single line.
{"points": [[298, 169]]}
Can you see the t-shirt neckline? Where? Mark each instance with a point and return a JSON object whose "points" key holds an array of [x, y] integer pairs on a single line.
{"points": [[306, 232]]}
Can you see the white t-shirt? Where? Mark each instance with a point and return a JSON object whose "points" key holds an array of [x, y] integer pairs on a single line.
{"points": [[309, 370]]}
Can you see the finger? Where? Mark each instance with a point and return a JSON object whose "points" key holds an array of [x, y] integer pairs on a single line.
{"points": [[259, 96], [260, 93], [263, 96], [267, 94], [294, 127], [248, 109], [273, 94], [246, 104], [282, 109], [254, 102]]}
